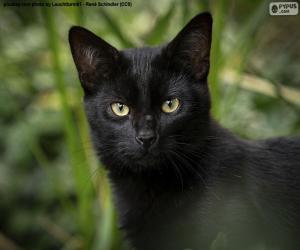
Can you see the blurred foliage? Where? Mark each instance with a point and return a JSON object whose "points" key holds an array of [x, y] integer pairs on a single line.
{"points": [[53, 193]]}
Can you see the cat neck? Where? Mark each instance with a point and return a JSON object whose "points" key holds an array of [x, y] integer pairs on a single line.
{"points": [[144, 199]]}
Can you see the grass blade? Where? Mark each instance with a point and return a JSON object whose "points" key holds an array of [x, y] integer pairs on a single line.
{"points": [[77, 157], [160, 28]]}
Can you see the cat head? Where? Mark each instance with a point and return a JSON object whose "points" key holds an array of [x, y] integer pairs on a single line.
{"points": [[147, 107]]}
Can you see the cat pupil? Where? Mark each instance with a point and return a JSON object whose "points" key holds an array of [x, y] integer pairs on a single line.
{"points": [[120, 106]]}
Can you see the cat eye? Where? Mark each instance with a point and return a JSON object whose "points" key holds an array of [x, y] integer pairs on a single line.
{"points": [[171, 105], [119, 109]]}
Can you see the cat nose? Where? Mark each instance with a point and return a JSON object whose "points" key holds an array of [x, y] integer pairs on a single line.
{"points": [[146, 138]]}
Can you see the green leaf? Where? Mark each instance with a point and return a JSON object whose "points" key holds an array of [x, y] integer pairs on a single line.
{"points": [[114, 27], [161, 27], [220, 242]]}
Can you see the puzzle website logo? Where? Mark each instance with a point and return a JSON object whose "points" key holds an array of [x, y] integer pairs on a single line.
{"points": [[283, 8]]}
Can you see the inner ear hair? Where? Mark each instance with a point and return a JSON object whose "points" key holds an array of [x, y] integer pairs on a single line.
{"points": [[191, 47], [93, 57]]}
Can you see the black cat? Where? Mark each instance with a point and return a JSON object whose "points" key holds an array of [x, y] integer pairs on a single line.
{"points": [[180, 180]]}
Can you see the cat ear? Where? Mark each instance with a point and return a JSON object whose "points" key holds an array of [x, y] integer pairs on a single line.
{"points": [[190, 49], [94, 58]]}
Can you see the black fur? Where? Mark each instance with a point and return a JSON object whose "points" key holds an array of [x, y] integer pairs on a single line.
{"points": [[197, 183]]}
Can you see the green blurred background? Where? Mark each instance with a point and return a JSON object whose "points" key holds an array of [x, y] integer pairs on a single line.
{"points": [[53, 195]]}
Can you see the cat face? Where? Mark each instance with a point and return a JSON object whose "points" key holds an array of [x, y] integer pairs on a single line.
{"points": [[146, 106]]}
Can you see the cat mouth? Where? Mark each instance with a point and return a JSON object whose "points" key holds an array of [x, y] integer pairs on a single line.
{"points": [[145, 154], [145, 157]]}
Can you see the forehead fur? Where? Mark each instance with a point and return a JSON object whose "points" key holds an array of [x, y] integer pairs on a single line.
{"points": [[141, 61], [146, 76], [138, 73]]}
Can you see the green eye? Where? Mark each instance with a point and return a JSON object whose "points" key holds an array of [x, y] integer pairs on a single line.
{"points": [[169, 106], [119, 109]]}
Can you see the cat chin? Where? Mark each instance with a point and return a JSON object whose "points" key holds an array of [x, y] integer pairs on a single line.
{"points": [[146, 162], [138, 161], [136, 168], [143, 160]]}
